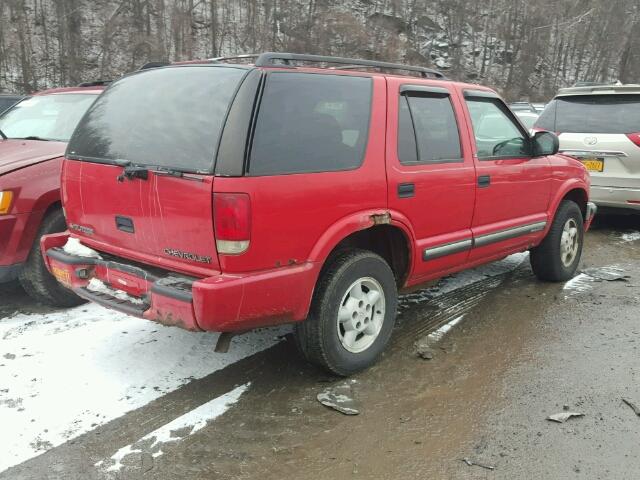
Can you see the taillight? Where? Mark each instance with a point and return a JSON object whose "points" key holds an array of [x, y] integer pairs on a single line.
{"points": [[634, 137], [232, 222], [6, 199]]}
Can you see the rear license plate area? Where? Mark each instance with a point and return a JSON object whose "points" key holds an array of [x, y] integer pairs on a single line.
{"points": [[593, 164], [62, 275]]}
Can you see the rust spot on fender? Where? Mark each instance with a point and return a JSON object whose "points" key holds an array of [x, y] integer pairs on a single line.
{"points": [[381, 218]]}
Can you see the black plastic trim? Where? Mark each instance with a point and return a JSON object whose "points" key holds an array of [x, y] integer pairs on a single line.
{"points": [[112, 302], [231, 150], [418, 89], [447, 249], [63, 257], [479, 94], [508, 233], [170, 292]]}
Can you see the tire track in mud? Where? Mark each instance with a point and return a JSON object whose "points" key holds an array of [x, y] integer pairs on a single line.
{"points": [[418, 318]]}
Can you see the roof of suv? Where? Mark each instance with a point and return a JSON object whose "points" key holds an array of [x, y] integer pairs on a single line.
{"points": [[300, 62], [599, 90]]}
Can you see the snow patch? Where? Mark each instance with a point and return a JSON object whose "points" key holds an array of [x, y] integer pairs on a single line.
{"points": [[194, 420], [440, 333], [630, 236], [579, 283], [74, 247], [98, 286], [71, 371]]}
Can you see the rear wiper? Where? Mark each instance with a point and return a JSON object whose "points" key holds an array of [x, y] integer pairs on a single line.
{"points": [[170, 172], [130, 172], [34, 137]]}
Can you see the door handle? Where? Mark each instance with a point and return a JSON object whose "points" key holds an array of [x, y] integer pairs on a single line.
{"points": [[406, 190], [484, 181]]}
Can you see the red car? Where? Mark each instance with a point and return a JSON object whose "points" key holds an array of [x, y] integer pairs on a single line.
{"points": [[33, 136], [226, 197]]}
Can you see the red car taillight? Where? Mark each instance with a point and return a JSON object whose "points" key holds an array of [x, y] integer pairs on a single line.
{"points": [[634, 137], [232, 222]]}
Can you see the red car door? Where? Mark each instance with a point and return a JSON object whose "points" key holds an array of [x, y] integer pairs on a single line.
{"points": [[513, 186], [430, 173]]}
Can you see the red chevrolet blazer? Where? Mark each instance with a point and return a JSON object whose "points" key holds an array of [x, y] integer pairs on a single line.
{"points": [[225, 197], [33, 136]]}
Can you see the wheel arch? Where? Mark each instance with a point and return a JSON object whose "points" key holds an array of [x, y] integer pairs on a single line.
{"points": [[381, 231], [575, 191]]}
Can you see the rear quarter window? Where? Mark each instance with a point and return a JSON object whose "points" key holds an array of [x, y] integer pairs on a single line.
{"points": [[311, 123]]}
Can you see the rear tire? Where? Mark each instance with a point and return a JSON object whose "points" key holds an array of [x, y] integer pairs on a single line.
{"points": [[36, 279], [556, 259], [352, 313]]}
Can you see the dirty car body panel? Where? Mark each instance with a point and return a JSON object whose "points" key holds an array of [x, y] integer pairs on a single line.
{"points": [[238, 239]]}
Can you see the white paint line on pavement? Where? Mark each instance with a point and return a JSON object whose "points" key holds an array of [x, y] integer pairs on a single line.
{"points": [[194, 420], [64, 373]]}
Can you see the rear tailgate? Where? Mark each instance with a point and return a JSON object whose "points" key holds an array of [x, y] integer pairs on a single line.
{"points": [[613, 160], [162, 220], [137, 180]]}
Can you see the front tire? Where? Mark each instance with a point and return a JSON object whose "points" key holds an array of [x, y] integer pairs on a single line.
{"points": [[352, 314], [556, 259], [36, 279]]}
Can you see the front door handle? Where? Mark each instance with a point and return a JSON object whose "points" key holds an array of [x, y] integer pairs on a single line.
{"points": [[484, 181]]}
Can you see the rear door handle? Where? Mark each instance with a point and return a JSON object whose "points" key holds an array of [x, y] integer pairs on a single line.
{"points": [[406, 190], [484, 181], [125, 224]]}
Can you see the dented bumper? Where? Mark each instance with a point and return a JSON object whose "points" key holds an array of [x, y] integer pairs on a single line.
{"points": [[223, 303]]}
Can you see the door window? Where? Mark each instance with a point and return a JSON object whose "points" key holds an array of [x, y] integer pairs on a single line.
{"points": [[496, 133], [311, 123], [427, 130]]}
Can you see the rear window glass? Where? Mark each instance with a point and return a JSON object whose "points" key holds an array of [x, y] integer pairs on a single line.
{"points": [[592, 114], [169, 117], [434, 126], [311, 123]]}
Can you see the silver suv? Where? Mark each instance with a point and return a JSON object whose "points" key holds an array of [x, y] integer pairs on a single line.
{"points": [[600, 125]]}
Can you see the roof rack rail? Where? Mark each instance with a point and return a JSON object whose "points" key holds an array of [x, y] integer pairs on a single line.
{"points": [[235, 57], [267, 60], [96, 83]]}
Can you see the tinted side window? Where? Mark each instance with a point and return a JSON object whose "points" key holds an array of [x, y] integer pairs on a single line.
{"points": [[496, 134], [547, 119], [427, 130], [311, 123]]}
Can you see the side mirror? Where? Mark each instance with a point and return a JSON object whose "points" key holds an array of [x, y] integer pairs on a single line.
{"points": [[545, 143]]}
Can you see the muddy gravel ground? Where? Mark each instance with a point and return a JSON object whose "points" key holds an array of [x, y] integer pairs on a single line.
{"points": [[520, 351]]}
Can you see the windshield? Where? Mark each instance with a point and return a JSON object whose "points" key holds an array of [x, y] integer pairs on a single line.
{"points": [[608, 113], [47, 117], [167, 117]]}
